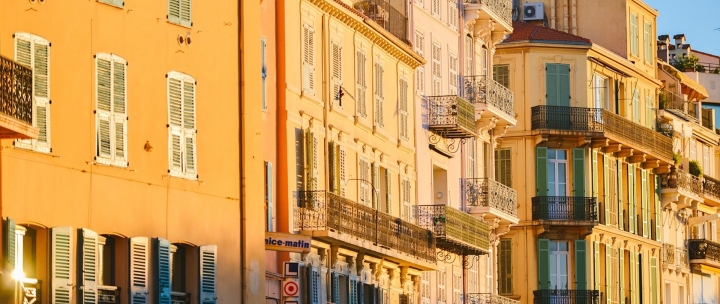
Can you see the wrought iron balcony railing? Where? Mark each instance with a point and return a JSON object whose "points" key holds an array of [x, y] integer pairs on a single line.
{"points": [[677, 105], [665, 128], [108, 295], [392, 16], [456, 230], [488, 298], [548, 296], [564, 208], [604, 123], [701, 249], [501, 8], [322, 210], [675, 256], [486, 192], [451, 116], [16, 90], [711, 186], [680, 179], [483, 89]]}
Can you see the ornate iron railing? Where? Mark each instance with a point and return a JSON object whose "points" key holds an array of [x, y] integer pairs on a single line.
{"points": [[564, 208], [668, 256], [596, 120], [16, 90], [554, 296], [458, 229], [682, 180], [483, 89], [711, 186], [392, 16], [488, 298], [665, 128], [677, 105], [700, 249], [486, 192], [322, 210], [108, 295], [676, 256], [501, 8], [681, 257], [451, 116]]}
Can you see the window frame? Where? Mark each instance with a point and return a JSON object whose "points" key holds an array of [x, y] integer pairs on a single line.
{"points": [[179, 19], [38, 101], [112, 115], [181, 130]]}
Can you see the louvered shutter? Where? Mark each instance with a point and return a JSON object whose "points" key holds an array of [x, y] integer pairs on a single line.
{"points": [[139, 270], [61, 265], [361, 293], [353, 290], [335, 288], [596, 264], [606, 189], [310, 157], [645, 211], [578, 172], [608, 274], [34, 52], [376, 184], [104, 106], [308, 58], [633, 277], [631, 197], [120, 111], [111, 112], [622, 275], [23, 55], [361, 84], [269, 198], [452, 68], [595, 175], [379, 95], [9, 243], [175, 124], [621, 205], [551, 84], [336, 72], [208, 274], [189, 127], [182, 124], [314, 286], [162, 272], [543, 263], [541, 171], [564, 85], [332, 168], [658, 212], [89, 264], [341, 165], [580, 265], [174, 11], [186, 13], [388, 192], [403, 105], [654, 296]]}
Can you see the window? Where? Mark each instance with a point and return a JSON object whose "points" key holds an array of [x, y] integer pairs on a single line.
{"points": [[453, 14], [420, 71], [453, 75], [471, 154], [180, 12], [174, 271], [364, 179], [269, 204], [420, 3], [263, 51], [469, 54], [649, 113], [111, 110], [601, 92], [379, 95], [436, 73], [361, 83], [425, 287], [483, 60], [106, 261], [441, 281], [34, 52], [636, 106], [336, 72], [457, 286], [634, 34], [648, 42], [557, 84], [501, 74], [503, 168], [403, 107], [559, 265], [182, 126], [474, 278], [407, 205], [557, 172], [308, 59], [435, 9], [311, 161], [118, 3], [505, 267]]}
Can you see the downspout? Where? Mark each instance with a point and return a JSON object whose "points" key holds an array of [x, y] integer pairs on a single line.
{"points": [[552, 14], [574, 17], [283, 199]]}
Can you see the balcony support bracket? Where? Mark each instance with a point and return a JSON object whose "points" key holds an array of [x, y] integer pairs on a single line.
{"points": [[600, 143], [614, 148], [627, 152], [637, 158]]}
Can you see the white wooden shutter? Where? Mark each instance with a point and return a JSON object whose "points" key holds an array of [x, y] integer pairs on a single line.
{"points": [[308, 59], [61, 265], [186, 13], [403, 105], [89, 264], [139, 270], [34, 52], [189, 128], [208, 274], [361, 108], [435, 9], [341, 166], [364, 178], [10, 243], [336, 72], [182, 148], [174, 11], [379, 95], [120, 110], [388, 191], [111, 110], [436, 73], [453, 74], [103, 113], [118, 3], [162, 272], [269, 198], [375, 184], [453, 14]]}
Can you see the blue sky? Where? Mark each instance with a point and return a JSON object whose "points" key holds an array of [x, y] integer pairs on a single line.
{"points": [[697, 19]]}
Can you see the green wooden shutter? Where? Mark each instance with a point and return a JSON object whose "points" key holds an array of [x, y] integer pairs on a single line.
{"points": [[580, 265], [621, 210], [269, 198], [578, 172], [658, 212], [551, 84], [541, 172], [139, 270], [606, 188], [596, 265], [162, 270], [505, 267], [61, 266], [564, 85], [654, 281], [174, 11], [631, 197], [88, 262], [621, 252], [543, 264], [645, 209], [608, 274], [208, 274], [9, 243], [189, 127]]}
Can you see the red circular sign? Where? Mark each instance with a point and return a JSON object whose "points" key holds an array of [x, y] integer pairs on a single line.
{"points": [[290, 289]]}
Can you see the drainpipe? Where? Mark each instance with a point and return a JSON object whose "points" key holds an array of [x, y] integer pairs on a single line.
{"points": [[283, 199]]}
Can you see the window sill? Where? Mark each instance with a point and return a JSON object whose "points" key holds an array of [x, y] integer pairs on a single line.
{"points": [[113, 5], [180, 24], [34, 148], [404, 145], [187, 176], [111, 163], [362, 123], [339, 110], [308, 95], [380, 132]]}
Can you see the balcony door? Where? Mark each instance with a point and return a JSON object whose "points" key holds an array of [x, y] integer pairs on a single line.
{"points": [[559, 266], [557, 96], [557, 172]]}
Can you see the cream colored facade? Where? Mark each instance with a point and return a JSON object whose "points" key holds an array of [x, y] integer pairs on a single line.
{"points": [[140, 154]]}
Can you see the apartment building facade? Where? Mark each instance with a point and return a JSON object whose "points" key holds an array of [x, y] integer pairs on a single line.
{"points": [[123, 184]]}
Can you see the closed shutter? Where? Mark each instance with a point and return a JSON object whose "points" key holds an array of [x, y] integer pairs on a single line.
{"points": [[645, 205], [9, 243], [388, 191], [189, 127], [543, 264], [89, 264], [333, 168], [595, 174], [633, 277], [364, 177], [308, 59], [435, 9], [361, 84], [34, 52], [606, 189], [336, 72], [111, 110], [403, 105], [648, 42], [314, 285], [162, 272], [436, 68], [208, 274], [596, 264], [658, 212], [62, 265], [420, 82], [335, 288], [269, 196], [375, 185], [608, 274], [541, 170], [174, 11], [182, 151], [636, 106], [139, 270], [379, 95], [341, 165], [621, 205], [311, 161], [580, 265], [505, 267], [634, 34], [353, 290], [180, 12], [654, 281], [622, 275], [631, 197], [557, 84], [453, 75], [578, 172]]}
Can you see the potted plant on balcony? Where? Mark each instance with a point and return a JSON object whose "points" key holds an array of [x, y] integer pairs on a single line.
{"points": [[677, 158], [695, 168]]}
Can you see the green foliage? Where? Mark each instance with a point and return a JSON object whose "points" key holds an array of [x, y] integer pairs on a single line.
{"points": [[716, 71], [684, 63], [677, 158], [695, 168]]}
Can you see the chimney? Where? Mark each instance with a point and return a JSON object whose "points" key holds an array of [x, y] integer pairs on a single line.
{"points": [[679, 39]]}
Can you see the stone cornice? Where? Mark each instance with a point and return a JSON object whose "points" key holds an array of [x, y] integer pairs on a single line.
{"points": [[374, 32]]}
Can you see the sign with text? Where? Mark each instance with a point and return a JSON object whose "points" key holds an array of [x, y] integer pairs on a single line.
{"points": [[277, 241]]}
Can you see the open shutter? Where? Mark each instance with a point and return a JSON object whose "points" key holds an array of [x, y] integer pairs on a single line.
{"points": [[608, 274], [186, 12], [336, 73], [645, 209], [89, 259], [41, 77], [314, 286], [175, 123], [580, 265], [376, 184], [654, 281], [541, 171], [332, 168], [596, 264], [189, 127], [543, 264], [162, 272], [606, 188], [595, 178], [310, 157], [120, 111], [361, 84], [361, 293], [104, 106], [658, 212], [139, 270], [208, 274], [622, 275], [341, 166], [308, 58], [9, 243], [62, 265], [631, 197], [269, 198], [621, 205], [633, 277], [578, 172], [353, 290], [551, 84], [174, 11], [388, 192]]}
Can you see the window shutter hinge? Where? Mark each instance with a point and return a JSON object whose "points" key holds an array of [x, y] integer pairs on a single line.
{"points": [[50, 102], [13, 35], [127, 118], [167, 17], [168, 170], [191, 24], [94, 111], [166, 75], [167, 125], [50, 44], [128, 164], [94, 56]]}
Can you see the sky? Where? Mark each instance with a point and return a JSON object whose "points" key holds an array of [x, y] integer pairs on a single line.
{"points": [[697, 19]]}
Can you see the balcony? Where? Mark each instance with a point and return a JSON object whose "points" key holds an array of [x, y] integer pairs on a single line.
{"points": [[711, 189], [338, 220], [602, 125], [451, 116], [491, 99], [16, 100], [488, 298], [390, 16], [681, 187], [456, 231], [677, 105], [704, 252], [547, 296], [675, 257], [108, 295], [489, 197], [499, 11]]}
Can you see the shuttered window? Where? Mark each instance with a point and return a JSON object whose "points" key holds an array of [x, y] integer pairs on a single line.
{"points": [[379, 95], [10, 248], [505, 286], [425, 287], [403, 107], [118, 3], [436, 72], [457, 286], [336, 72], [111, 110], [503, 166], [269, 203], [364, 178], [435, 9], [208, 274], [453, 75], [634, 34], [469, 55], [361, 83], [61, 259], [139, 264], [557, 84], [658, 211], [182, 129], [441, 281], [180, 12], [406, 195], [420, 71], [648, 42], [308, 37], [453, 14], [501, 74], [34, 51]]}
